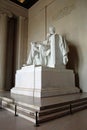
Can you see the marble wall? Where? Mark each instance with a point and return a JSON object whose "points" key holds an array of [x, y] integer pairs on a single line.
{"points": [[69, 17]]}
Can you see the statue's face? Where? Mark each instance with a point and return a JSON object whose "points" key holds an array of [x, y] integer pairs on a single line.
{"points": [[51, 30]]}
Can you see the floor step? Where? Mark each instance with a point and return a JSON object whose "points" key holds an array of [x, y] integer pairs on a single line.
{"points": [[79, 103], [53, 116], [44, 109], [54, 110], [79, 108]]}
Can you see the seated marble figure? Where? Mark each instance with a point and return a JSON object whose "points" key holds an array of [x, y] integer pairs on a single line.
{"points": [[45, 74], [52, 52]]}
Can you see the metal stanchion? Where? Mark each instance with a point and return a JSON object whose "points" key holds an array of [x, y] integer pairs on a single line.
{"points": [[70, 108], [1, 106], [16, 110], [37, 123]]}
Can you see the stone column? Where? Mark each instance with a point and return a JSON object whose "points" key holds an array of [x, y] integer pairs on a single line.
{"points": [[3, 40], [22, 31]]}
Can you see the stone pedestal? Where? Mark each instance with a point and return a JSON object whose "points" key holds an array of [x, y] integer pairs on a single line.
{"points": [[43, 82]]}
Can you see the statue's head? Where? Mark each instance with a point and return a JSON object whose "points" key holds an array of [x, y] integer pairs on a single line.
{"points": [[51, 30]]}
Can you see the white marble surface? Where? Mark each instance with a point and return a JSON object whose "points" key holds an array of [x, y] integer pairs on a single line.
{"points": [[53, 52], [43, 81]]}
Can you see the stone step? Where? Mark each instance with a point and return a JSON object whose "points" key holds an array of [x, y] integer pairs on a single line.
{"points": [[54, 110], [79, 108], [45, 113], [79, 103], [7, 99], [21, 104], [61, 111], [25, 113], [53, 116], [52, 113]]}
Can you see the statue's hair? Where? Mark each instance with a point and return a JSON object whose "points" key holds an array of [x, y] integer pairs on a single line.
{"points": [[53, 28]]}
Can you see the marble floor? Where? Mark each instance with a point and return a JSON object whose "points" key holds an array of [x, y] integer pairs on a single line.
{"points": [[76, 121]]}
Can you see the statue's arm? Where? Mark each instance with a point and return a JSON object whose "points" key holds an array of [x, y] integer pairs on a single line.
{"points": [[64, 49]]}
